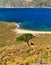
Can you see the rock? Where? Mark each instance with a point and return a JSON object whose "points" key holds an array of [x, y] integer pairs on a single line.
{"points": [[32, 43]]}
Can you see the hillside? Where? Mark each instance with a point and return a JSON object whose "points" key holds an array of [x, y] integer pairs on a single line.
{"points": [[24, 3], [14, 52]]}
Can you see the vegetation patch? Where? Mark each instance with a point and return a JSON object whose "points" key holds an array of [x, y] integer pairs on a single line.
{"points": [[46, 55], [25, 37]]}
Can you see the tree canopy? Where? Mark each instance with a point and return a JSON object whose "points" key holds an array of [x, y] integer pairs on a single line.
{"points": [[25, 37]]}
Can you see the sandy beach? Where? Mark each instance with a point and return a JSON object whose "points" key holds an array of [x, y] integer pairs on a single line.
{"points": [[22, 31]]}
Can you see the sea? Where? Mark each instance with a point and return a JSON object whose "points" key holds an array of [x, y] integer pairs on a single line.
{"points": [[38, 19]]}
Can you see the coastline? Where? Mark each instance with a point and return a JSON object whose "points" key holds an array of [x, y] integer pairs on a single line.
{"points": [[22, 31], [17, 30]]}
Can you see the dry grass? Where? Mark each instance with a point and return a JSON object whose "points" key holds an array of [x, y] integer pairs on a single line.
{"points": [[16, 52], [7, 36]]}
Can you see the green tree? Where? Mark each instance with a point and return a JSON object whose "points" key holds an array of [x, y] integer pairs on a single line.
{"points": [[25, 37]]}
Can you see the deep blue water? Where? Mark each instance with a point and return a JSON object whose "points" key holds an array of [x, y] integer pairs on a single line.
{"points": [[29, 18]]}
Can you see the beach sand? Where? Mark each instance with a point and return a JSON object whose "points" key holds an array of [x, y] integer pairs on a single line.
{"points": [[22, 31]]}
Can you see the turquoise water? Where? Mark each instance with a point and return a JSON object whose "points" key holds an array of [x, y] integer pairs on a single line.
{"points": [[28, 18]]}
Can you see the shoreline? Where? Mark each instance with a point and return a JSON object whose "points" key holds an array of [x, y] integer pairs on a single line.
{"points": [[23, 31]]}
